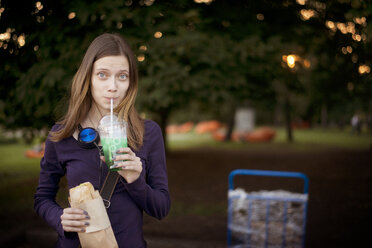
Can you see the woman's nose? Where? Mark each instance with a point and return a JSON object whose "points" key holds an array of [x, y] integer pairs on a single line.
{"points": [[112, 87]]}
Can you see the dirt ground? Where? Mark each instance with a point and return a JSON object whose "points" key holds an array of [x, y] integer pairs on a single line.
{"points": [[340, 197], [340, 192]]}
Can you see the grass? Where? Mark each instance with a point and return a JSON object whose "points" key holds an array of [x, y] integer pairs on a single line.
{"points": [[19, 175], [303, 140], [15, 165]]}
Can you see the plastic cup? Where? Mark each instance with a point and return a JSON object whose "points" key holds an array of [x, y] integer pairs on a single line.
{"points": [[113, 136]]}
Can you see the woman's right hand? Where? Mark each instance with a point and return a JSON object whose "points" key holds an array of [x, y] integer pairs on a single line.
{"points": [[74, 220]]}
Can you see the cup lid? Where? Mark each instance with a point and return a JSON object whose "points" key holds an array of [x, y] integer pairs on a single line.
{"points": [[105, 120]]}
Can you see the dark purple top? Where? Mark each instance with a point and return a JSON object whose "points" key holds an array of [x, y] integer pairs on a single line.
{"points": [[148, 193]]}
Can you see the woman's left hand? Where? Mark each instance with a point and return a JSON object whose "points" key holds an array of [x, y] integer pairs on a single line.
{"points": [[130, 164]]}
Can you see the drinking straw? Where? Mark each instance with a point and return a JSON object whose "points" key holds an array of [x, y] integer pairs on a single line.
{"points": [[111, 108], [112, 113]]}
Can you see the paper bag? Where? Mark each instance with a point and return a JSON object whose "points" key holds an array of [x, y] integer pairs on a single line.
{"points": [[99, 233]]}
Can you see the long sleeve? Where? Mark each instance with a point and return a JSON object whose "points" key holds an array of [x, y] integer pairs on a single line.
{"points": [[150, 190], [51, 172]]}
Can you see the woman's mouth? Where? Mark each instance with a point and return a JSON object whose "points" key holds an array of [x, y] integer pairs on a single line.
{"points": [[108, 99]]}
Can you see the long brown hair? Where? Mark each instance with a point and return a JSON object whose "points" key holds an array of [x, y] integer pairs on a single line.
{"points": [[81, 98]]}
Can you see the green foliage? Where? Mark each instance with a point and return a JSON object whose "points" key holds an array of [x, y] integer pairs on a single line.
{"points": [[209, 59]]}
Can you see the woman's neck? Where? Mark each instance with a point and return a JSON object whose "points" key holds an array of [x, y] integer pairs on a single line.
{"points": [[94, 116]]}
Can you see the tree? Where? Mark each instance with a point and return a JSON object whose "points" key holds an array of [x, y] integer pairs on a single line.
{"points": [[189, 52]]}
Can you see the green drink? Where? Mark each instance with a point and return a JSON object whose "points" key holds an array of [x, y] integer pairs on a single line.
{"points": [[110, 146], [113, 134]]}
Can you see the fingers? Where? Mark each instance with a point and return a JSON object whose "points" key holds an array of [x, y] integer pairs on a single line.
{"points": [[74, 220], [77, 212], [126, 150], [127, 159], [128, 162], [74, 226], [127, 156], [130, 165]]}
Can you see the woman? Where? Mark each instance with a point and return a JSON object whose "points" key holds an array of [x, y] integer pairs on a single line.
{"points": [[108, 71]]}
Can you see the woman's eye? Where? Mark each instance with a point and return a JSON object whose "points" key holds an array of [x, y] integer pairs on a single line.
{"points": [[101, 75], [123, 77]]}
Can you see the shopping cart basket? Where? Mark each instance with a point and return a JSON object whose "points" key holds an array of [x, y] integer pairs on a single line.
{"points": [[266, 218]]}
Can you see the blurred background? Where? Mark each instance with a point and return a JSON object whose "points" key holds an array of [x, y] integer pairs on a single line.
{"points": [[275, 85]]}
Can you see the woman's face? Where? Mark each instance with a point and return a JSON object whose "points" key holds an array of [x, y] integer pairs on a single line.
{"points": [[110, 79]]}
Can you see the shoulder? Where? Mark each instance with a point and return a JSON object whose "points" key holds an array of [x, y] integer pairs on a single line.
{"points": [[152, 140], [56, 127], [151, 126], [152, 132]]}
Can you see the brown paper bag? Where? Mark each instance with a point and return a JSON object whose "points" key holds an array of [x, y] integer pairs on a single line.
{"points": [[99, 233]]}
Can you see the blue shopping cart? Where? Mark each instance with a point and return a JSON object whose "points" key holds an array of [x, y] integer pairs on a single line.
{"points": [[257, 209]]}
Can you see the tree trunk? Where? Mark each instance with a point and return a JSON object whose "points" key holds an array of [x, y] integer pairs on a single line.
{"points": [[324, 116], [230, 123], [164, 114], [28, 135], [287, 111]]}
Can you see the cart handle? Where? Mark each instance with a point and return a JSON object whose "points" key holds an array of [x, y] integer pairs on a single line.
{"points": [[270, 174]]}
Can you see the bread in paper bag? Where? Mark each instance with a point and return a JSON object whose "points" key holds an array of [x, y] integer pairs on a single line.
{"points": [[99, 232]]}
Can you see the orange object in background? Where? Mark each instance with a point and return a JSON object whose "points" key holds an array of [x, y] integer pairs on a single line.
{"points": [[36, 152], [171, 129], [183, 128], [300, 125], [186, 127], [263, 134], [218, 136], [207, 126]]}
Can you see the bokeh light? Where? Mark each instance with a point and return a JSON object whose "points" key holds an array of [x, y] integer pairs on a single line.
{"points": [[203, 1], [21, 40], [364, 69], [158, 35], [291, 61], [39, 6], [141, 58], [301, 2], [72, 15], [306, 14], [260, 17]]}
